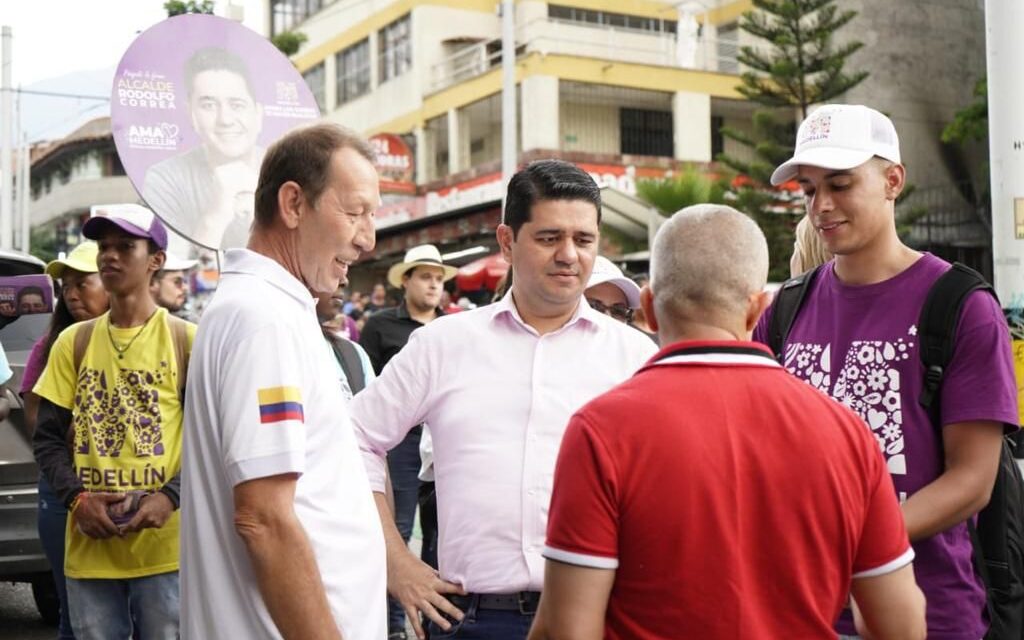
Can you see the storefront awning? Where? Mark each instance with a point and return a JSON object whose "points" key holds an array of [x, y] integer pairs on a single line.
{"points": [[628, 214]]}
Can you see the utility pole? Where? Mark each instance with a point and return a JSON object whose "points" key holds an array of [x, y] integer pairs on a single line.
{"points": [[6, 123], [508, 93], [1004, 22], [26, 193]]}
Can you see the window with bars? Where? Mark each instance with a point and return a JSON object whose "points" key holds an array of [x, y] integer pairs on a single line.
{"points": [[314, 77], [646, 132], [394, 49], [353, 65], [610, 19], [285, 15], [728, 48]]}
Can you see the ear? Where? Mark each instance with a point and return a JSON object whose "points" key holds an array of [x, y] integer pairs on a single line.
{"points": [[290, 200], [157, 260], [647, 304], [756, 304], [895, 181], [505, 240]]}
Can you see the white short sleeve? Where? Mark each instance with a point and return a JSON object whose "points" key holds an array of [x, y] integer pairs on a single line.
{"points": [[261, 406]]}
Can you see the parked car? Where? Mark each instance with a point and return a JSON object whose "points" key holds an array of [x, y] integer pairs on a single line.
{"points": [[21, 553]]}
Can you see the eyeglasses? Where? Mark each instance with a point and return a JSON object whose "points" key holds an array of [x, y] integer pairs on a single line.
{"points": [[620, 312]]}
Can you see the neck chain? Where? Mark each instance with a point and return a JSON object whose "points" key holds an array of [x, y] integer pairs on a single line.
{"points": [[123, 350]]}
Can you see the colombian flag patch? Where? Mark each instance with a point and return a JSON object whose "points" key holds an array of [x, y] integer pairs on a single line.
{"points": [[278, 404]]}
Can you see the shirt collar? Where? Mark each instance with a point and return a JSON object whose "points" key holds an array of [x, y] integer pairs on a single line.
{"points": [[584, 315], [256, 264], [714, 352]]}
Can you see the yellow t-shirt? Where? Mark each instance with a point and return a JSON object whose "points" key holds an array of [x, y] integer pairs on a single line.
{"points": [[126, 416]]}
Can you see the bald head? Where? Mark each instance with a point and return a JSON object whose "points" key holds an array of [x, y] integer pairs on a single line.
{"points": [[708, 261]]}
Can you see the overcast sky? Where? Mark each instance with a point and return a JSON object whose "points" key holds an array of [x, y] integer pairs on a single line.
{"points": [[56, 37], [80, 42]]}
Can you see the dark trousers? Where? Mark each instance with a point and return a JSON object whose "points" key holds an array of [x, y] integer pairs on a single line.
{"points": [[53, 517], [404, 468], [485, 624], [428, 523]]}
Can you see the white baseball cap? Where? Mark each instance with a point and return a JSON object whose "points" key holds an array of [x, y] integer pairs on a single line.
{"points": [[606, 271], [841, 136], [174, 263]]}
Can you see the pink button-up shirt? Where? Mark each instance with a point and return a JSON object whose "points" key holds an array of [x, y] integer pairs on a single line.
{"points": [[497, 397]]}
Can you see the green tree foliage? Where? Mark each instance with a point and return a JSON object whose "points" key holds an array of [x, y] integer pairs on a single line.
{"points": [[971, 122], [288, 42], [180, 7], [42, 242], [687, 188], [795, 64]]}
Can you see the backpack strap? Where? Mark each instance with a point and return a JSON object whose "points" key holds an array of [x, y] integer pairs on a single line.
{"points": [[182, 351], [937, 325], [351, 364], [788, 300], [936, 332], [83, 334]]}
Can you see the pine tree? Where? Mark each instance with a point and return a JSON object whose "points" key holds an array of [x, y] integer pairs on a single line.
{"points": [[797, 65]]}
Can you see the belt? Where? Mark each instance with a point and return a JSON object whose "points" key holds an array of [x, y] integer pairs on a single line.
{"points": [[525, 602]]}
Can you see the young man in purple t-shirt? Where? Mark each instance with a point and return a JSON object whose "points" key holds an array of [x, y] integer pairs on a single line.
{"points": [[855, 338]]}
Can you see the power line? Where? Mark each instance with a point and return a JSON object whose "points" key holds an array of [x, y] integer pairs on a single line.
{"points": [[56, 94]]}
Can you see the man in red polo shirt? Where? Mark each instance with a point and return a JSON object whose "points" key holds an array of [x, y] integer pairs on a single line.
{"points": [[692, 501]]}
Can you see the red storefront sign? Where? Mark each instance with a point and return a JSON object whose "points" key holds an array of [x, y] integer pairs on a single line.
{"points": [[395, 163], [487, 189]]}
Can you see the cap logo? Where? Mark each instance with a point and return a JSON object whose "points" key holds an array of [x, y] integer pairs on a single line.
{"points": [[818, 127]]}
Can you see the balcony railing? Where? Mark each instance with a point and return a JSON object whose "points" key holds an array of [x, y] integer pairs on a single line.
{"points": [[619, 44]]}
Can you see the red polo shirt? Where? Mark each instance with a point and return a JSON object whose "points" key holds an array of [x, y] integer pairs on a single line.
{"points": [[731, 499]]}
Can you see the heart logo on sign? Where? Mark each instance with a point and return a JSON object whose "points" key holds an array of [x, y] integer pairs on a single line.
{"points": [[170, 130]]}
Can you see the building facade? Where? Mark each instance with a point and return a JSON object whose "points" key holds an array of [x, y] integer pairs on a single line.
{"points": [[70, 175], [628, 90], [625, 90]]}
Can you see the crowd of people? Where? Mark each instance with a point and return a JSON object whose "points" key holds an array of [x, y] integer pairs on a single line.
{"points": [[590, 457]]}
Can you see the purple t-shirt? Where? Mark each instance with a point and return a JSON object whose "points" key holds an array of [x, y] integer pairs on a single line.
{"points": [[34, 365], [859, 345]]}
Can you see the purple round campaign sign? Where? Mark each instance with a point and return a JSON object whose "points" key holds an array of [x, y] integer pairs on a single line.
{"points": [[196, 101]]}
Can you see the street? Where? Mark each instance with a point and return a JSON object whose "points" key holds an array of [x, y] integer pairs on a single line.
{"points": [[19, 619]]}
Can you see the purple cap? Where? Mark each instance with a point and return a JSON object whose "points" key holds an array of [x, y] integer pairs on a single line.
{"points": [[133, 219]]}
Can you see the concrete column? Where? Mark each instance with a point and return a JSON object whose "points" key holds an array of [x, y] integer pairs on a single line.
{"points": [[540, 113], [424, 154], [374, 61], [330, 84], [458, 141], [1003, 24], [691, 126]]}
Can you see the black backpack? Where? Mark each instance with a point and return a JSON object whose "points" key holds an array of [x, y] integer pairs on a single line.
{"points": [[998, 538], [351, 363]]}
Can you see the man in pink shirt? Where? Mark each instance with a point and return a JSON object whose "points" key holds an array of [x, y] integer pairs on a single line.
{"points": [[497, 386]]}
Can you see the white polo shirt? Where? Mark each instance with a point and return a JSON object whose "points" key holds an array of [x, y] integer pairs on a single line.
{"points": [[263, 399]]}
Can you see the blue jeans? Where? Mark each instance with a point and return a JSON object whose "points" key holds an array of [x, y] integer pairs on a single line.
{"points": [[51, 521], [485, 624], [107, 609], [404, 468]]}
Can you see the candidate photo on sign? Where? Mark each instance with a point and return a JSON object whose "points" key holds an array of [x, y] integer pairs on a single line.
{"points": [[206, 193]]}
